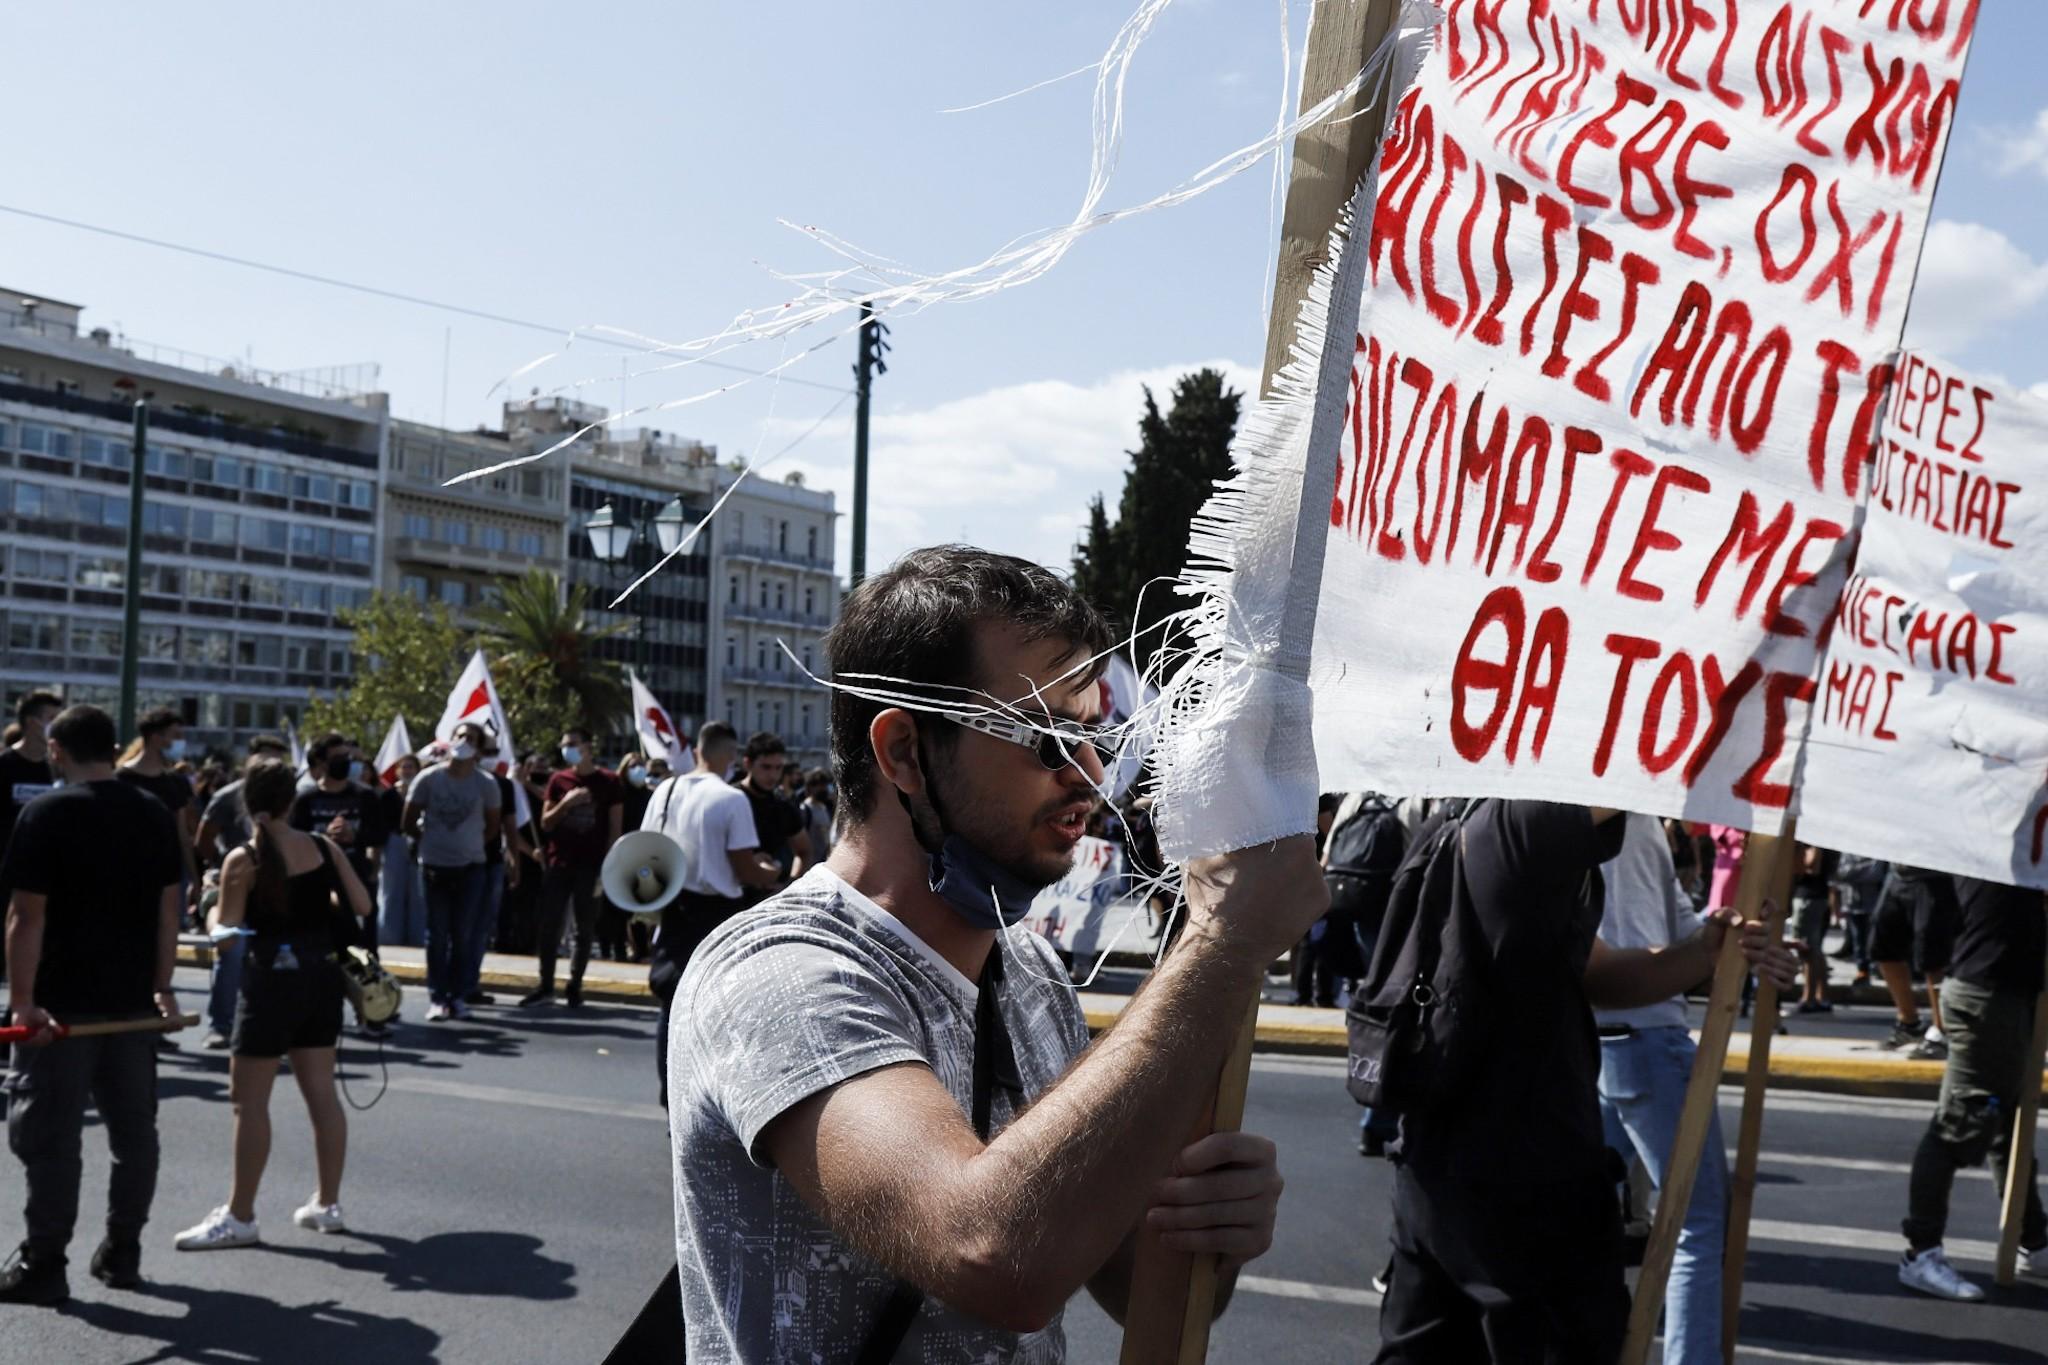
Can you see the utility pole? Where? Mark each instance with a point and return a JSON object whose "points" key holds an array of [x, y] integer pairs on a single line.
{"points": [[868, 366], [131, 596]]}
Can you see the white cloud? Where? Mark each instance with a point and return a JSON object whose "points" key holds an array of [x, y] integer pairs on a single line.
{"points": [[1972, 279], [2040, 390], [1010, 468], [2024, 149]]}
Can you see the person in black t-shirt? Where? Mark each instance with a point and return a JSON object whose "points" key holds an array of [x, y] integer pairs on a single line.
{"points": [[24, 774], [1507, 1238], [1987, 1011], [149, 762], [92, 929], [335, 803], [779, 824]]}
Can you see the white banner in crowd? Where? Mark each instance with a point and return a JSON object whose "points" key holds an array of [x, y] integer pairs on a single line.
{"points": [[397, 744], [1929, 741], [1634, 275], [1082, 913], [658, 735]]}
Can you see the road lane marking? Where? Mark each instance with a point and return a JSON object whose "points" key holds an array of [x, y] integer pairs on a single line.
{"points": [[1859, 1239], [1302, 1289], [531, 1099]]}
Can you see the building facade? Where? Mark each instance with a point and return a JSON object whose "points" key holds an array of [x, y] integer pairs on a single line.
{"points": [[260, 522], [775, 594], [456, 544]]}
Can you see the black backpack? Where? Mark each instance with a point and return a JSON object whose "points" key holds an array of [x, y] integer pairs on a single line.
{"points": [[1421, 1016], [1363, 854]]}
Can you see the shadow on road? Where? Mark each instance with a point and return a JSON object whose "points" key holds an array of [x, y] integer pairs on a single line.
{"points": [[485, 1264], [1877, 1340], [223, 1326]]}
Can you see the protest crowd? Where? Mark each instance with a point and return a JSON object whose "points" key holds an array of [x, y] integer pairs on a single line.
{"points": [[839, 1001]]}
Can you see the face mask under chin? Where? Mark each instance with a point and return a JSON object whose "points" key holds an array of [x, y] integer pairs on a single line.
{"points": [[980, 890]]}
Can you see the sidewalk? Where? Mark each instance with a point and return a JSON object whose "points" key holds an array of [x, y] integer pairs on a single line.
{"points": [[1836, 1065]]}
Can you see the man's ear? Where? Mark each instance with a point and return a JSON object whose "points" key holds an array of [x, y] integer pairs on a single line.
{"points": [[893, 737]]}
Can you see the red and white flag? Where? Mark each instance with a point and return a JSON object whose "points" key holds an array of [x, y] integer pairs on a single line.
{"points": [[476, 698], [658, 735], [397, 744]]}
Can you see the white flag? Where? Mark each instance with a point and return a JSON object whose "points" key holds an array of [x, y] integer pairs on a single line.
{"points": [[657, 731], [1123, 695], [397, 744], [291, 737], [476, 698]]}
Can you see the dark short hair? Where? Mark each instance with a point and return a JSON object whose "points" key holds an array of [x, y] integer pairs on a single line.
{"points": [[763, 744], [268, 786], [276, 742], [915, 622], [715, 734], [158, 720], [331, 740], [85, 733], [32, 702], [816, 776], [577, 733]]}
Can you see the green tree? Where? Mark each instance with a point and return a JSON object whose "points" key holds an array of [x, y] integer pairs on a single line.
{"points": [[1180, 457], [541, 646], [408, 655]]}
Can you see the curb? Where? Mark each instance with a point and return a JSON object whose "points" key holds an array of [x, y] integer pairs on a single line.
{"points": [[1887, 1077]]}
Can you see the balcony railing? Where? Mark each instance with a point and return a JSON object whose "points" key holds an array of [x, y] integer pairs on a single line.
{"points": [[741, 611], [736, 549], [214, 428]]}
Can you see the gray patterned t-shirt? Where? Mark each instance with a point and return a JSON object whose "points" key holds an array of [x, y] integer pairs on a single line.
{"points": [[815, 987]]}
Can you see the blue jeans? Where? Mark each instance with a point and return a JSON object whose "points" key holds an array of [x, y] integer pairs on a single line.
{"points": [[484, 929], [454, 895], [401, 898], [1642, 1089], [226, 986]]}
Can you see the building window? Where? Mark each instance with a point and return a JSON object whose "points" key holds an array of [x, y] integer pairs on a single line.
{"points": [[414, 586], [269, 478], [454, 592], [807, 720], [492, 537], [529, 544], [48, 566], [781, 596], [455, 532], [810, 601], [733, 597], [419, 526], [42, 440], [811, 542], [764, 596], [782, 538], [761, 655], [732, 652]]}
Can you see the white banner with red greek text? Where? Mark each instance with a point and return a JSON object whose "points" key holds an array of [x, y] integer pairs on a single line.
{"points": [[1636, 272], [1929, 739]]}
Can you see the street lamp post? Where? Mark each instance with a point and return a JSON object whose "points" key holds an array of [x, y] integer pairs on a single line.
{"points": [[131, 583], [611, 542]]}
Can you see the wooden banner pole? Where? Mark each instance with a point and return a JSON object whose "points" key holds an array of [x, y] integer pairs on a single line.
{"points": [[1675, 1195], [2019, 1166], [1763, 1026], [1172, 1298]]}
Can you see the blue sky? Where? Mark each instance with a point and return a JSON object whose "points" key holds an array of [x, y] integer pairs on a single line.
{"points": [[630, 168]]}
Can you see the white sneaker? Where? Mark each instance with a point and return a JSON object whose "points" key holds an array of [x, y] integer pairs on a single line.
{"points": [[2034, 1262], [218, 1231], [319, 1217], [438, 1013], [1931, 1273]]}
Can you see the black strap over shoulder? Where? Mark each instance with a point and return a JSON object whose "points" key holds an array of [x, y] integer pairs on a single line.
{"points": [[995, 1064]]}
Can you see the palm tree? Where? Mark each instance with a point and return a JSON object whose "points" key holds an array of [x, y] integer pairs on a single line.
{"points": [[541, 645]]}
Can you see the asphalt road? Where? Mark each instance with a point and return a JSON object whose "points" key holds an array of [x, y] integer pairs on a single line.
{"points": [[511, 1197]]}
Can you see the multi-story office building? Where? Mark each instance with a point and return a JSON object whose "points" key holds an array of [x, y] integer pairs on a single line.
{"points": [[709, 626], [774, 587], [456, 544], [260, 521]]}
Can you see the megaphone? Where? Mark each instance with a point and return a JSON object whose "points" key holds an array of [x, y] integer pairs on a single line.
{"points": [[643, 872]]}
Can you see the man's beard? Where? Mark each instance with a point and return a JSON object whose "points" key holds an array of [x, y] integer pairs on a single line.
{"points": [[1008, 849]]}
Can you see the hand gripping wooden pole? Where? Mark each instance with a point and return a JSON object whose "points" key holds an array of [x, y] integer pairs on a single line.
{"points": [[1763, 1026], [2019, 1166], [169, 1023], [1173, 1295], [1759, 868]]}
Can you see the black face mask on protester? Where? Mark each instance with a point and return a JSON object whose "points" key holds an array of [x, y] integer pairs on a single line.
{"points": [[337, 768], [980, 890]]}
